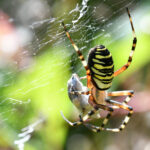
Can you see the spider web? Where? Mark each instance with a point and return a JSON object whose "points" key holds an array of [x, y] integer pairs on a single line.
{"points": [[89, 24], [86, 25]]}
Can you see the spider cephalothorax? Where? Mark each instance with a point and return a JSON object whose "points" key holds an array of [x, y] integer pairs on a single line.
{"points": [[92, 99]]}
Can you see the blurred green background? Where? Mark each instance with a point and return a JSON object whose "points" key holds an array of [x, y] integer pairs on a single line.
{"points": [[37, 60]]}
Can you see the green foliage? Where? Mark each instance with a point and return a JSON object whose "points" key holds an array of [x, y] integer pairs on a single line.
{"points": [[43, 88]]}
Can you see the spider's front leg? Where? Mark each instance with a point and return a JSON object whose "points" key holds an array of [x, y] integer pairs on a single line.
{"points": [[81, 57], [124, 67]]}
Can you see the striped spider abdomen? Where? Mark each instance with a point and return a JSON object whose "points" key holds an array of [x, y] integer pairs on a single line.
{"points": [[101, 67]]}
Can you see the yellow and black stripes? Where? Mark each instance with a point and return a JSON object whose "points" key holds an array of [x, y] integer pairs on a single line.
{"points": [[101, 67]]}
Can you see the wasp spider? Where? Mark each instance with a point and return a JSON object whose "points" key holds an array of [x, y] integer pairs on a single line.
{"points": [[92, 99]]}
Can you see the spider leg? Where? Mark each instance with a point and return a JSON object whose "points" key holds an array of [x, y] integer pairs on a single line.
{"points": [[81, 121], [123, 68], [128, 93], [88, 116], [124, 122], [119, 104], [101, 127], [127, 117], [81, 57], [80, 92], [85, 77], [97, 107], [72, 123], [121, 93]]}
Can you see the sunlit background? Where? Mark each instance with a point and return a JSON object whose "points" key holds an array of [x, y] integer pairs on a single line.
{"points": [[37, 60]]}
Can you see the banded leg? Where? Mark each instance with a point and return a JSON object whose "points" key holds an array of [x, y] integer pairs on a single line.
{"points": [[81, 57], [123, 124], [128, 93], [81, 92], [100, 128], [132, 49], [127, 117], [88, 116], [105, 121]]}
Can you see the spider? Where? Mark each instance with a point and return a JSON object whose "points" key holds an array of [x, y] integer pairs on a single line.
{"points": [[92, 99]]}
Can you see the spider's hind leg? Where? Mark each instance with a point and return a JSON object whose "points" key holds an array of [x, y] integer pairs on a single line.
{"points": [[128, 93], [124, 122], [101, 127], [127, 117], [106, 119], [85, 118]]}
